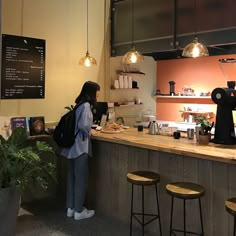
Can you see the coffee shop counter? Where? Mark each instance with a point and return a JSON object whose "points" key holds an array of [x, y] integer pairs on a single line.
{"points": [[182, 146], [212, 166]]}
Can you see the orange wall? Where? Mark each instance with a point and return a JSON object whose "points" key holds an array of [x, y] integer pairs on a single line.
{"points": [[198, 73]]}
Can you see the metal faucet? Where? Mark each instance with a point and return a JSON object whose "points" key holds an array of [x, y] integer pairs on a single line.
{"points": [[120, 120]]}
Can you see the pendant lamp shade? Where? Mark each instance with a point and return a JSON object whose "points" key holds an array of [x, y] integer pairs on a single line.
{"points": [[87, 60], [195, 49], [132, 56]]}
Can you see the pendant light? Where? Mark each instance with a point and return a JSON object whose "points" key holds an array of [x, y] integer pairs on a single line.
{"points": [[195, 49], [87, 60], [132, 56]]}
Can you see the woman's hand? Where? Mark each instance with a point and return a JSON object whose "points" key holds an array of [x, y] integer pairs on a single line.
{"points": [[93, 132]]}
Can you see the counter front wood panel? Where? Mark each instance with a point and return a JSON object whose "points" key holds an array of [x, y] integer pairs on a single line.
{"points": [[182, 146], [211, 166], [109, 192]]}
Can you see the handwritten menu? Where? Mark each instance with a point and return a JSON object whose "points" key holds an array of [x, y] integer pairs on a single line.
{"points": [[23, 67]]}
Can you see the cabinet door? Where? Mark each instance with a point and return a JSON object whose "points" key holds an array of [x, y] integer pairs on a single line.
{"points": [[215, 14], [213, 21], [152, 25]]}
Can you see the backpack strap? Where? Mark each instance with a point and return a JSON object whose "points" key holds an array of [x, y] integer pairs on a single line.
{"points": [[75, 107]]}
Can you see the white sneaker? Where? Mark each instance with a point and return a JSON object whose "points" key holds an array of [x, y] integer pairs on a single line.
{"points": [[70, 212], [84, 214]]}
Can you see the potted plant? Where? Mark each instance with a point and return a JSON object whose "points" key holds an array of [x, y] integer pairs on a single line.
{"points": [[205, 129], [21, 165]]}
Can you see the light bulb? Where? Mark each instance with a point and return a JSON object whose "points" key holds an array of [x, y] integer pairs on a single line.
{"points": [[87, 62], [196, 51], [133, 58]]}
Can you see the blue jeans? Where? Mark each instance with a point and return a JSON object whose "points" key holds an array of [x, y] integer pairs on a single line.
{"points": [[77, 182]]}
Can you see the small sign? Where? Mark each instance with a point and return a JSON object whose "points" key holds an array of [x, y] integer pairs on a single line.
{"points": [[23, 67]]}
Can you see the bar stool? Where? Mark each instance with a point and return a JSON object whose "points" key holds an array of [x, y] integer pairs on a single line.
{"points": [[143, 178], [185, 191], [230, 206]]}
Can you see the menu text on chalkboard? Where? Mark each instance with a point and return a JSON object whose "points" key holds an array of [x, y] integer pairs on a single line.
{"points": [[23, 67]]}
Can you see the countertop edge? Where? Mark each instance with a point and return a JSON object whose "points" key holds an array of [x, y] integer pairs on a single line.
{"points": [[187, 148]]}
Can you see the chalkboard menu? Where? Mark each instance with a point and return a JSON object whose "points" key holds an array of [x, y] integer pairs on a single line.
{"points": [[23, 67]]}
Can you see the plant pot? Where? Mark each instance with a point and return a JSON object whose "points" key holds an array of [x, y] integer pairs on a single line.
{"points": [[203, 139], [9, 208]]}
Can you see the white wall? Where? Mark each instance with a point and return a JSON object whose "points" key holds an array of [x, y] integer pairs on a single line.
{"points": [[62, 23], [147, 88]]}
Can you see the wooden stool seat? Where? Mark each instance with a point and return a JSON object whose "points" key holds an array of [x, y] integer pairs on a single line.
{"points": [[143, 177], [185, 190], [230, 206]]}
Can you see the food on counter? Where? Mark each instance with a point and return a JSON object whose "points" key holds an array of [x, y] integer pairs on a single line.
{"points": [[112, 127]]}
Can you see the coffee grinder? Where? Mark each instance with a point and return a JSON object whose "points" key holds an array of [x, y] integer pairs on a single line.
{"points": [[225, 98], [172, 88]]}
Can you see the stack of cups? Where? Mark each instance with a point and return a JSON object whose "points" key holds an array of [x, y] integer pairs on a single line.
{"points": [[126, 84], [116, 84], [121, 81], [130, 81]]}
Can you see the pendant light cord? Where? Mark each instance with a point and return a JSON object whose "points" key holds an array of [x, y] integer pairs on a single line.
{"points": [[87, 26], [22, 18], [132, 22], [195, 18]]}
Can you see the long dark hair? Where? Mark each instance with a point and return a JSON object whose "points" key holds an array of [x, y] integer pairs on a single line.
{"points": [[88, 93]]}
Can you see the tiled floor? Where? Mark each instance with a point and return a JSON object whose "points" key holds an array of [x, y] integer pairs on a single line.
{"points": [[49, 219]]}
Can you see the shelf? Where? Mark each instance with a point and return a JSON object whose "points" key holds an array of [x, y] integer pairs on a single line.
{"points": [[127, 105], [130, 73], [123, 88], [197, 112], [186, 97]]}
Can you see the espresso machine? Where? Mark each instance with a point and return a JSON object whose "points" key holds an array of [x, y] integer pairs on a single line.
{"points": [[225, 98]]}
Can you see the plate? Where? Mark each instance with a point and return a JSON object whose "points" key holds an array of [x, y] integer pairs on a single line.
{"points": [[125, 127], [110, 131]]}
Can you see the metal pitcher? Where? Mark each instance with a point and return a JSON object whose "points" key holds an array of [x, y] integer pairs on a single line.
{"points": [[153, 127]]}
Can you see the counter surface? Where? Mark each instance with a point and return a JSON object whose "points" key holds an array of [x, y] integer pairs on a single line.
{"points": [[182, 146]]}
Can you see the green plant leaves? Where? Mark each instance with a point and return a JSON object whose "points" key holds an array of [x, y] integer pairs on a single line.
{"points": [[22, 162], [71, 107]]}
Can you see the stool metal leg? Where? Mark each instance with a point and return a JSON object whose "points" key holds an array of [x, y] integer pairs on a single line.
{"points": [[200, 209], [158, 210], [184, 217], [171, 214], [234, 226], [142, 210], [131, 210]]}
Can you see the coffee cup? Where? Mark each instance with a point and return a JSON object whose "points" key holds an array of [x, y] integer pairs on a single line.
{"points": [[176, 134], [140, 128]]}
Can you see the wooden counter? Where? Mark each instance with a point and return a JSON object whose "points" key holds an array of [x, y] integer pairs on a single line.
{"points": [[212, 166], [182, 146]]}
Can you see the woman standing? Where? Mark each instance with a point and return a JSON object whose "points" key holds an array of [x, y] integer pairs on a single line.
{"points": [[79, 152]]}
